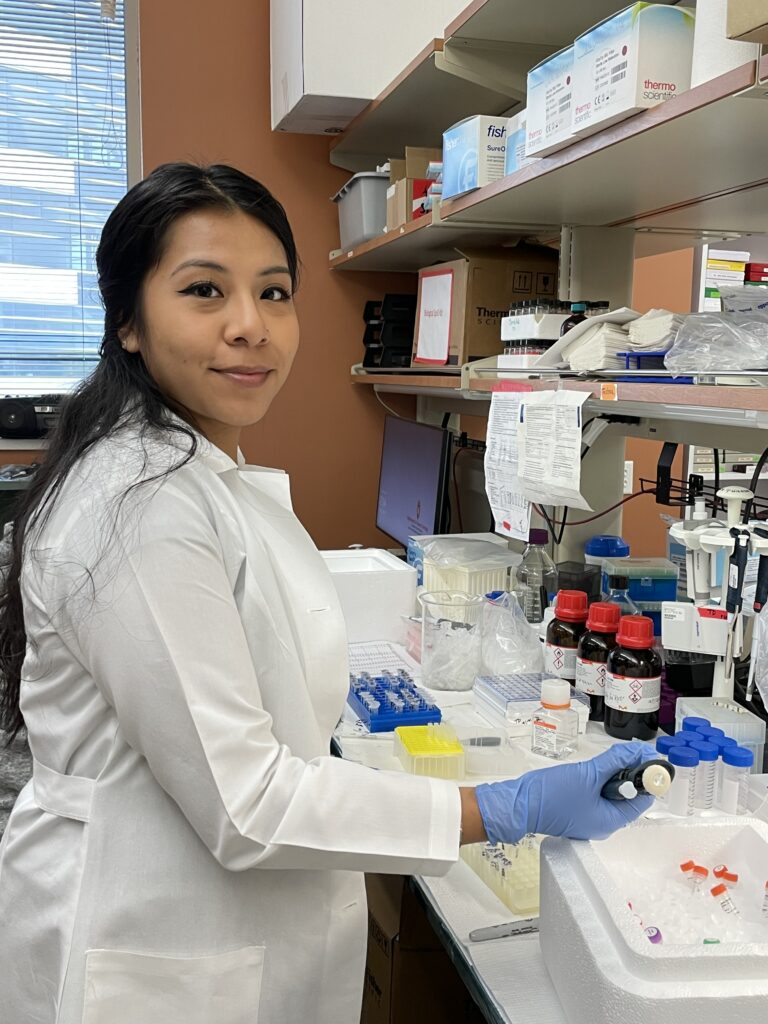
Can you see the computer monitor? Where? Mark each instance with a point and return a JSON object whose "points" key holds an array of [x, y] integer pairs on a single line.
{"points": [[413, 481]]}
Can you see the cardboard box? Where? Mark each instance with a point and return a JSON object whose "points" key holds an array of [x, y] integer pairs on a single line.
{"points": [[409, 978], [406, 201], [418, 159], [461, 303], [550, 87], [747, 21], [515, 157], [396, 170], [628, 62], [473, 154]]}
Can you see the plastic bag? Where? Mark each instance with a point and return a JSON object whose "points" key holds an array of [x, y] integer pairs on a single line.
{"points": [[744, 298], [451, 551], [508, 643], [712, 342]]}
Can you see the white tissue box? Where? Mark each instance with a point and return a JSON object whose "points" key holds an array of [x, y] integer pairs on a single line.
{"points": [[602, 964]]}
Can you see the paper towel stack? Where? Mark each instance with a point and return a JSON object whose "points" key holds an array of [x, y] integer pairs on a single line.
{"points": [[654, 331], [597, 347]]}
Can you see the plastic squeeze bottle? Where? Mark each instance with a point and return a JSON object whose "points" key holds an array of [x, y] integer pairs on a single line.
{"points": [[564, 633]]}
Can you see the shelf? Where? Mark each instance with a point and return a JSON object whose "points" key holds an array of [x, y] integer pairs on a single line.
{"points": [[520, 21], [698, 162], [429, 240], [413, 111]]}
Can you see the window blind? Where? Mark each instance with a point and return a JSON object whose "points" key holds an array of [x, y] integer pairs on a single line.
{"points": [[62, 170]]}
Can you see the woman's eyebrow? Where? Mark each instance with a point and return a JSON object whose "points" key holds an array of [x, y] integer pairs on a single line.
{"points": [[208, 264]]}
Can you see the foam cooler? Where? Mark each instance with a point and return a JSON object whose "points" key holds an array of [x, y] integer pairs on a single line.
{"points": [[602, 965]]}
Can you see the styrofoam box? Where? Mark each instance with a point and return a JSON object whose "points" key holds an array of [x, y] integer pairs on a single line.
{"points": [[376, 590], [602, 965]]}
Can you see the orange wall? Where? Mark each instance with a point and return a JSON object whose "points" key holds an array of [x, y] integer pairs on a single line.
{"points": [[659, 282], [205, 98]]}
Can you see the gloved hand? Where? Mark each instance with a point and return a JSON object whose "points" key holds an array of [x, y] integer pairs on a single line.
{"points": [[564, 800]]}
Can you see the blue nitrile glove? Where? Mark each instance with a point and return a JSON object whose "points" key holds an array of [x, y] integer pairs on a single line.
{"points": [[564, 800]]}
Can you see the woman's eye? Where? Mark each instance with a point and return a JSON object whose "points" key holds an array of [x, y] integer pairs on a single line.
{"points": [[202, 290], [276, 294]]}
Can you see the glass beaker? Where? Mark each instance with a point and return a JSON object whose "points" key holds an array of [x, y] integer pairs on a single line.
{"points": [[450, 639]]}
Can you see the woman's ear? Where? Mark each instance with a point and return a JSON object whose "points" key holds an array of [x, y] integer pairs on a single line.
{"points": [[129, 339]]}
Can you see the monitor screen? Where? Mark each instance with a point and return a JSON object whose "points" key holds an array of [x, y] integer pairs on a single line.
{"points": [[414, 472]]}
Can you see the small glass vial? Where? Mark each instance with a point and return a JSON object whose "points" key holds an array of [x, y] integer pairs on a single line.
{"points": [[706, 774], [564, 633], [733, 783], [680, 798], [555, 729], [592, 655]]}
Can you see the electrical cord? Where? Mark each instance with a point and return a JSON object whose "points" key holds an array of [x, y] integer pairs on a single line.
{"points": [[598, 515], [387, 407], [716, 453], [753, 484]]}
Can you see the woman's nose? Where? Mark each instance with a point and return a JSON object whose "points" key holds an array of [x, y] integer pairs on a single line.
{"points": [[246, 322]]}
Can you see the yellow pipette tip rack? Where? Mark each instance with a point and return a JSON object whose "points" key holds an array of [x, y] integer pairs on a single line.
{"points": [[432, 750]]}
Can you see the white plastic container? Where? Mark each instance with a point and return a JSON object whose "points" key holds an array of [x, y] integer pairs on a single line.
{"points": [[603, 967], [417, 544], [376, 591], [479, 577], [362, 206]]}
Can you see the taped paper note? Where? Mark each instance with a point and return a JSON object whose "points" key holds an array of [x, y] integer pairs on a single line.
{"points": [[511, 511], [434, 327], [549, 446]]}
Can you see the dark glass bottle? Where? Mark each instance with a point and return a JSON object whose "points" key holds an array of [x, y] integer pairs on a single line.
{"points": [[633, 682], [564, 633], [578, 313], [592, 655]]}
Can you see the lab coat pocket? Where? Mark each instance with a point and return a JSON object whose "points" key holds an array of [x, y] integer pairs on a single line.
{"points": [[125, 988]]}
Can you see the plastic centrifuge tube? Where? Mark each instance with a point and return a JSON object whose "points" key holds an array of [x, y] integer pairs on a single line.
{"points": [[724, 898], [699, 877], [654, 935], [722, 873], [734, 780], [397, 703], [681, 792], [706, 774]]}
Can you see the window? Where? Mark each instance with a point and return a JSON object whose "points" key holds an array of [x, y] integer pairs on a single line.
{"points": [[63, 168]]}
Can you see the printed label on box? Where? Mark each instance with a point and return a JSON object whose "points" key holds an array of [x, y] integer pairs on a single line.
{"points": [[434, 325]]}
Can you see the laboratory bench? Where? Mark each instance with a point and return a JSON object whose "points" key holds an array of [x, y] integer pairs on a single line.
{"points": [[506, 977]]}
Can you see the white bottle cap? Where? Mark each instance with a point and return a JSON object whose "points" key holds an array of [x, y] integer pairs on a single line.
{"points": [[700, 509], [656, 780], [555, 693]]}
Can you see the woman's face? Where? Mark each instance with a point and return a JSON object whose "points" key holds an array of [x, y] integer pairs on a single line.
{"points": [[219, 325]]}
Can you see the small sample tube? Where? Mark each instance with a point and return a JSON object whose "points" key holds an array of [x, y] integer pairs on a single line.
{"points": [[681, 793], [711, 735], [765, 903], [733, 784], [654, 935], [706, 774], [724, 899], [699, 877], [664, 744]]}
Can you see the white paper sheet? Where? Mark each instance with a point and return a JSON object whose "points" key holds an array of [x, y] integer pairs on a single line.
{"points": [[434, 328], [557, 355], [511, 511], [549, 447]]}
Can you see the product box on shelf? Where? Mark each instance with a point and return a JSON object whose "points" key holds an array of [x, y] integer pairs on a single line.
{"points": [[406, 201], [473, 154], [635, 59], [461, 303], [418, 159], [548, 119], [515, 157], [417, 544], [748, 21]]}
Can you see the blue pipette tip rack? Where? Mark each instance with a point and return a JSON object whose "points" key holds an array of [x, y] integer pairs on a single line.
{"points": [[400, 702]]}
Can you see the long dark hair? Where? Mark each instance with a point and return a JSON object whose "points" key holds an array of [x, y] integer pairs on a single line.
{"points": [[121, 388]]}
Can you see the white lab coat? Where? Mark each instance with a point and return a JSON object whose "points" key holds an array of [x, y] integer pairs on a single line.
{"points": [[187, 851]]}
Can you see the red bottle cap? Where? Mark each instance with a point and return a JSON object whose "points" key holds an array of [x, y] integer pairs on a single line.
{"points": [[635, 631], [571, 606], [604, 617]]}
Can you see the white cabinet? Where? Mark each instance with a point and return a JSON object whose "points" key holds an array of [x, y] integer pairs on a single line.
{"points": [[329, 58]]}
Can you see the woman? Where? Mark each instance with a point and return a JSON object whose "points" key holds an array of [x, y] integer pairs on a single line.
{"points": [[187, 852]]}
